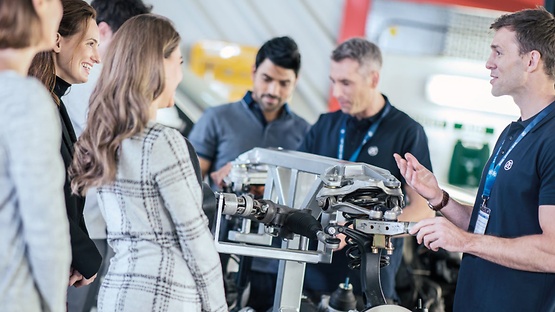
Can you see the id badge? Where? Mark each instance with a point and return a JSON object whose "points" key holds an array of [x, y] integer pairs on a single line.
{"points": [[482, 222]]}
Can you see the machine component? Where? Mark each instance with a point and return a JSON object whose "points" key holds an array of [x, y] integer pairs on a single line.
{"points": [[370, 200], [301, 189], [280, 220], [343, 299]]}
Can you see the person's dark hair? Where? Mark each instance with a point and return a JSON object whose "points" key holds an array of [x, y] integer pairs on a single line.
{"points": [[366, 53], [116, 12], [535, 30], [75, 20], [282, 51]]}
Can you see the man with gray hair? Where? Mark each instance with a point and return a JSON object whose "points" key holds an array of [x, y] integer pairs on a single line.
{"points": [[366, 129]]}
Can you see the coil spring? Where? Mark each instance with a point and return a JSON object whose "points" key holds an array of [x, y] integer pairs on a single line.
{"points": [[353, 251]]}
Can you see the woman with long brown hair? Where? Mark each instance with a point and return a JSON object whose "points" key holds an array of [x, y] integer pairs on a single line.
{"points": [[148, 191], [74, 54], [34, 255]]}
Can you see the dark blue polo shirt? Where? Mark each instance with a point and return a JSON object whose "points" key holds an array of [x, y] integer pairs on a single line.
{"points": [[525, 181], [397, 133]]}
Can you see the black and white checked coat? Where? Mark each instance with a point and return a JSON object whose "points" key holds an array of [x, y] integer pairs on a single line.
{"points": [[165, 258]]}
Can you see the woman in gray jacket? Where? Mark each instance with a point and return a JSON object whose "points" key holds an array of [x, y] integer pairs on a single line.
{"points": [[34, 236], [148, 192]]}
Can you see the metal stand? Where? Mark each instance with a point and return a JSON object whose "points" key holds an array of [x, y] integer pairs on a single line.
{"points": [[292, 180], [325, 186]]}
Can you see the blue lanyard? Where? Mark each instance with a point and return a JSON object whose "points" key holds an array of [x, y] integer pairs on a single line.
{"points": [[367, 137], [494, 167]]}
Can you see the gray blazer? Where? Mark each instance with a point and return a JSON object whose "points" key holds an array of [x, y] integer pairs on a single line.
{"points": [[165, 257], [34, 233]]}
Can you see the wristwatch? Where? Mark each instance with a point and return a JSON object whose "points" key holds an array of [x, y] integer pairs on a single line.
{"points": [[443, 203]]}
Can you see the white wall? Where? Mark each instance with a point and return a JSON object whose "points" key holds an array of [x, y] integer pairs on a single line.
{"points": [[412, 36], [403, 80], [313, 24], [419, 41]]}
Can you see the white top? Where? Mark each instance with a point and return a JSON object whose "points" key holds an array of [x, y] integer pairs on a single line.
{"points": [[77, 105], [77, 100]]}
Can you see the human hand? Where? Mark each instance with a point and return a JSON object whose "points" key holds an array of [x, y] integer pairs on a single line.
{"points": [[419, 177], [85, 281], [342, 242], [219, 175], [342, 237], [74, 276], [438, 233]]}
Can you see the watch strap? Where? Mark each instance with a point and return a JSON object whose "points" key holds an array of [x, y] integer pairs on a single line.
{"points": [[442, 204]]}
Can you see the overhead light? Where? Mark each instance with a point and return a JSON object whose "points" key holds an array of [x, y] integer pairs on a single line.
{"points": [[468, 93]]}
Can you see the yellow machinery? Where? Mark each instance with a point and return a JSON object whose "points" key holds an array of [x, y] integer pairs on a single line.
{"points": [[227, 67]]}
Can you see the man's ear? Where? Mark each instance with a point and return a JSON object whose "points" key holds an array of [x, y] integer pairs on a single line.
{"points": [[58, 45], [534, 60], [374, 78], [105, 32], [253, 71]]}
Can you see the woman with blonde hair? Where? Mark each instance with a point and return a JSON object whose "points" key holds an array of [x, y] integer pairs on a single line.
{"points": [[148, 190], [69, 62], [34, 240]]}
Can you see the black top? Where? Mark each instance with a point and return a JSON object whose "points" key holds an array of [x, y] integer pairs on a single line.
{"points": [[85, 257], [397, 133], [525, 181]]}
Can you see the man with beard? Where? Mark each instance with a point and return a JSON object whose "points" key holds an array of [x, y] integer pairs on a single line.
{"points": [[262, 118]]}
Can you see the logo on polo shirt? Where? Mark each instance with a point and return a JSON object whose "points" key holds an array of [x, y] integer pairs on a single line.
{"points": [[373, 150], [508, 165]]}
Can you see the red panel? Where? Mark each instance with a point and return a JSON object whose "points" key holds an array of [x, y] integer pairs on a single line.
{"points": [[353, 24], [355, 13]]}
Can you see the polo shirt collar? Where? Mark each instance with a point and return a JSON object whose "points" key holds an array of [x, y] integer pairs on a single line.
{"points": [[526, 122], [367, 122], [254, 107]]}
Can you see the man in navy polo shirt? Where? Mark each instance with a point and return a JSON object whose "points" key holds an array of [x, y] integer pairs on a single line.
{"points": [[261, 119], [367, 129], [508, 237]]}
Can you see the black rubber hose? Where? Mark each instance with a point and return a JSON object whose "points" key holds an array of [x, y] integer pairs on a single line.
{"points": [[304, 224]]}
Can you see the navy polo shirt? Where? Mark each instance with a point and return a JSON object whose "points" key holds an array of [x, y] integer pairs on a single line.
{"points": [[397, 133], [525, 181]]}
